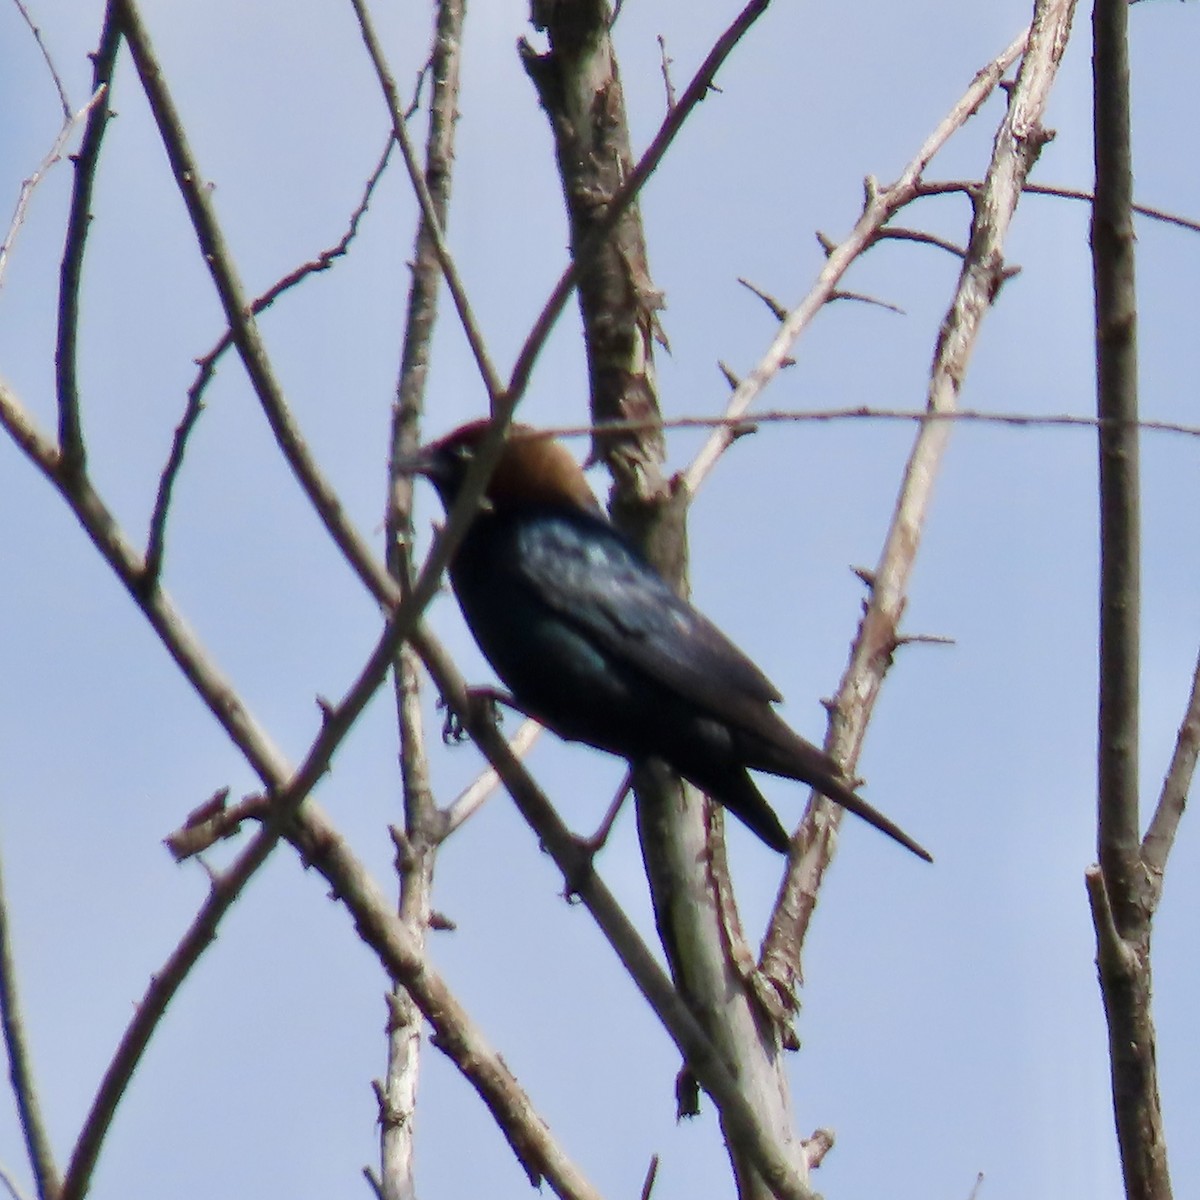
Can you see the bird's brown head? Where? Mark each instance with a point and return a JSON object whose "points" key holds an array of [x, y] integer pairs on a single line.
{"points": [[531, 470]]}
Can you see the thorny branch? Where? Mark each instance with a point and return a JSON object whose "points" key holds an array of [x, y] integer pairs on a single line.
{"points": [[1017, 144], [880, 205], [103, 531], [90, 505], [317, 841], [70, 432]]}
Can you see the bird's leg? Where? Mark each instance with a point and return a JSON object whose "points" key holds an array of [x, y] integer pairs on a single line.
{"points": [[594, 844], [586, 848]]}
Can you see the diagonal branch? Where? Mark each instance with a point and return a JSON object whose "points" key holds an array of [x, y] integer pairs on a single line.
{"points": [[20, 1067], [1160, 837], [70, 433], [880, 205], [1017, 144], [208, 365], [377, 923]]}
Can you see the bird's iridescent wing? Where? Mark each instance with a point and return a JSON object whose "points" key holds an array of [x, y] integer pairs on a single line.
{"points": [[582, 567]]}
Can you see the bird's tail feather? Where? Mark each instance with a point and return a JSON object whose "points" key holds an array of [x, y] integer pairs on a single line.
{"points": [[791, 756]]}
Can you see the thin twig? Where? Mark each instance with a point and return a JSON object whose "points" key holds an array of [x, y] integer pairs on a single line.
{"points": [[1015, 148], [917, 235], [1160, 836], [880, 205], [289, 790], [864, 412], [454, 283], [651, 1175], [10, 1184], [59, 86], [932, 188], [20, 1066], [666, 72], [373, 1183], [207, 366], [250, 346], [70, 431], [696, 91], [1120, 533], [29, 185]]}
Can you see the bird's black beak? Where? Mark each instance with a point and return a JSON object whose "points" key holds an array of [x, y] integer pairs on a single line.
{"points": [[428, 461]]}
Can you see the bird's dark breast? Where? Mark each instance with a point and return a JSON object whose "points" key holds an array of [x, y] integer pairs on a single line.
{"points": [[553, 665]]}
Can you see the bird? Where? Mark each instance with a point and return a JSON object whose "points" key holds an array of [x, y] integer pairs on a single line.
{"points": [[597, 646]]}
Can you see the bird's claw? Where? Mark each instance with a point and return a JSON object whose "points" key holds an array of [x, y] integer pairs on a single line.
{"points": [[454, 732], [485, 704]]}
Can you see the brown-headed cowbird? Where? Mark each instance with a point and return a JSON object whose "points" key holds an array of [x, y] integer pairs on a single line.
{"points": [[595, 644]]}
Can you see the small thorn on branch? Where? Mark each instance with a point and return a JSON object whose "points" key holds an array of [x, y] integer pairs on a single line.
{"points": [[405, 855], [926, 639], [666, 73], [731, 377], [863, 298], [373, 1183], [651, 1173], [898, 234], [779, 310], [817, 1146]]}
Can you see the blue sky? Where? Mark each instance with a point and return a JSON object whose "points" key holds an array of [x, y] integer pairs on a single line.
{"points": [[951, 1021]]}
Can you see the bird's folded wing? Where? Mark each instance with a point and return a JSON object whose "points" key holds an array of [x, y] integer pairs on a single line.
{"points": [[586, 572]]}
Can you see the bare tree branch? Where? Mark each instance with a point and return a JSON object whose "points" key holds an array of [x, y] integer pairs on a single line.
{"points": [[70, 432], [429, 207], [471, 799], [208, 364], [20, 1067], [696, 90], [53, 156], [1160, 837], [424, 824], [1064, 193], [864, 412], [63, 100], [881, 204], [1017, 144], [1122, 892], [10, 1184]]}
